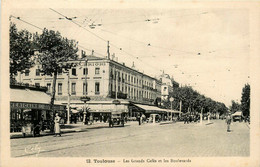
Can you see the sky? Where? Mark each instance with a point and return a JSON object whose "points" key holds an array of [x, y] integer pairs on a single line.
{"points": [[207, 49]]}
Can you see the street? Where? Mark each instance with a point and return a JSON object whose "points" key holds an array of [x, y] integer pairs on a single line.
{"points": [[147, 140]]}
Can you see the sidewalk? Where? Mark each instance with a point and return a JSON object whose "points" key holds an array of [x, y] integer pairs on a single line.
{"points": [[70, 128], [79, 127], [67, 128]]}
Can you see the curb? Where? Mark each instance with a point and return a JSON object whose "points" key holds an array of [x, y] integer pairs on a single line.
{"points": [[20, 135]]}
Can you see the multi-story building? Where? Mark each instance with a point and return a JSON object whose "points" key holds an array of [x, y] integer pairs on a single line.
{"points": [[168, 84], [99, 79]]}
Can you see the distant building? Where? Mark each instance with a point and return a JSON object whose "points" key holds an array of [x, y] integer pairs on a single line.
{"points": [[168, 84]]}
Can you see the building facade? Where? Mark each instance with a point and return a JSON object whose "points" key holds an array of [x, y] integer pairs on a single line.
{"points": [[168, 84], [102, 80]]}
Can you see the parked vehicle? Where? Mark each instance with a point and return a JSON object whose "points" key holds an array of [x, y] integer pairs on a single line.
{"points": [[117, 118], [237, 118]]}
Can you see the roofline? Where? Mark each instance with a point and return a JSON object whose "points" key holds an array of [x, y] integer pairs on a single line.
{"points": [[115, 62], [131, 69]]}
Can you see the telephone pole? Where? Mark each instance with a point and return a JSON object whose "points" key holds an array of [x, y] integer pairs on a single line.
{"points": [[68, 107]]}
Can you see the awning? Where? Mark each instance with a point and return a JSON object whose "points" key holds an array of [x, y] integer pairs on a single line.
{"points": [[31, 99], [151, 109], [29, 96], [107, 108]]}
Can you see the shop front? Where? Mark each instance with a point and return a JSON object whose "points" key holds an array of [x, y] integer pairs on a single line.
{"points": [[30, 109], [24, 113], [151, 113]]}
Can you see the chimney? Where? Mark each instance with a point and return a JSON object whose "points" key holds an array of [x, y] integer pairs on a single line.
{"points": [[133, 66], [92, 52]]}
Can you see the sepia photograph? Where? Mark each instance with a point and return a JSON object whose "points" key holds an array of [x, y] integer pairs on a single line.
{"points": [[156, 85]]}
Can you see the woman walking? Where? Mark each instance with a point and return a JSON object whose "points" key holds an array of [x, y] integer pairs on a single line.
{"points": [[57, 125]]}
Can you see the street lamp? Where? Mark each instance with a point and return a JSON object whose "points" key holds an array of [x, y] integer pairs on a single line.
{"points": [[171, 100], [85, 98]]}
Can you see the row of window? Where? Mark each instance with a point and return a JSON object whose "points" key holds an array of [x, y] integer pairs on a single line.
{"points": [[129, 78], [73, 71], [73, 88], [132, 92]]}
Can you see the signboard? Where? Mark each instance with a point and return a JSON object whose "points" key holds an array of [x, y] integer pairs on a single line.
{"points": [[22, 105], [97, 64]]}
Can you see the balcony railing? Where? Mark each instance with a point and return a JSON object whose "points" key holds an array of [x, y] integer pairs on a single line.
{"points": [[120, 95]]}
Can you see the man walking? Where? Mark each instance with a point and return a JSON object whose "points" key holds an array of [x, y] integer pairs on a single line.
{"points": [[228, 121]]}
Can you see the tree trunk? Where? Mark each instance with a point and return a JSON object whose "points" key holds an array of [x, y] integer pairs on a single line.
{"points": [[53, 90]]}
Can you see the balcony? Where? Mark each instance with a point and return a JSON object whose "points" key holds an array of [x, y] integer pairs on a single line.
{"points": [[120, 95]]}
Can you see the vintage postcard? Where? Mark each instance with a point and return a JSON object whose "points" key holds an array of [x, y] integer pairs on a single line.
{"points": [[130, 83]]}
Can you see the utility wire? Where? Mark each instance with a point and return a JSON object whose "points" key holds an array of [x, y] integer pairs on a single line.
{"points": [[99, 37], [79, 25], [18, 18]]}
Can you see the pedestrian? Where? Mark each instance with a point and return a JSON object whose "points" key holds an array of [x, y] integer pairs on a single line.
{"points": [[91, 119], [139, 119], [186, 119], [57, 125], [228, 121]]}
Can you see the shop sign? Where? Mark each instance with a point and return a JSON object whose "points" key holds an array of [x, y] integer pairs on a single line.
{"points": [[97, 64], [22, 105]]}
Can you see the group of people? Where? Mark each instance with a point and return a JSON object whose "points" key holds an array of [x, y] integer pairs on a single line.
{"points": [[188, 118]]}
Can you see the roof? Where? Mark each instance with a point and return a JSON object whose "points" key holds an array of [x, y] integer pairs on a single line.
{"points": [[91, 57], [29, 96]]}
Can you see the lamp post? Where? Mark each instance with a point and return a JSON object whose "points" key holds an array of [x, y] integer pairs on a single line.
{"points": [[171, 100], [116, 101], [85, 98], [68, 112]]}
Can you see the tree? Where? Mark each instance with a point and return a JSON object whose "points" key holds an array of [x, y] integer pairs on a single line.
{"points": [[245, 100], [195, 102], [55, 53], [234, 106], [21, 51]]}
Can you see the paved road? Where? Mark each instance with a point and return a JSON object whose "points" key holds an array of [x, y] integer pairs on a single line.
{"points": [[169, 140]]}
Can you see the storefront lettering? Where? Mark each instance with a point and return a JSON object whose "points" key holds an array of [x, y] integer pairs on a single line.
{"points": [[97, 64], [21, 105]]}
